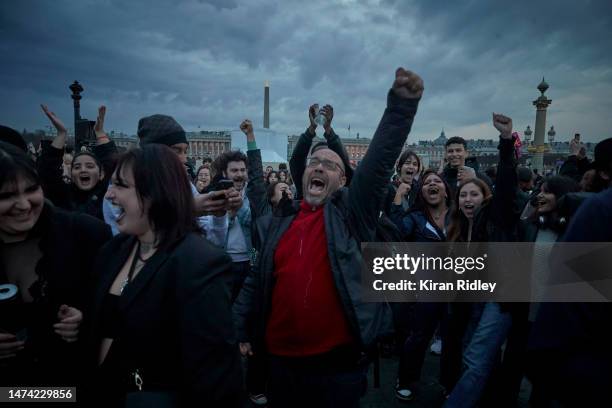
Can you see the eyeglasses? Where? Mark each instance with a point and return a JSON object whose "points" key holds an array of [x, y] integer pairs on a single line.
{"points": [[327, 164]]}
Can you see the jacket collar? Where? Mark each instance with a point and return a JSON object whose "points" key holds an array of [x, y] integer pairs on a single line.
{"points": [[132, 290]]}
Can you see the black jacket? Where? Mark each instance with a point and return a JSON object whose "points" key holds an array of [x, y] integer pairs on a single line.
{"points": [[414, 226], [67, 196], [570, 356], [69, 243], [175, 322], [256, 188], [497, 220], [350, 218], [389, 208]]}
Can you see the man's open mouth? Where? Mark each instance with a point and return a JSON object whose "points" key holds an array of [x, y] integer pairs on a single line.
{"points": [[317, 185]]}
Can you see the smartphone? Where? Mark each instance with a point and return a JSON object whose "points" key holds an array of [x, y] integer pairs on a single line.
{"points": [[223, 184]]}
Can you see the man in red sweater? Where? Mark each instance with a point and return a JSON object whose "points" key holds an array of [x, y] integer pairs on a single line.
{"points": [[303, 304]]}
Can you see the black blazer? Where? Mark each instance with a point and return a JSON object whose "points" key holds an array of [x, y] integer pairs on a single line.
{"points": [[69, 243], [175, 322]]}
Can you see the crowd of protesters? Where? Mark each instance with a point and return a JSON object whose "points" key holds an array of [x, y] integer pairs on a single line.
{"points": [[144, 285]]}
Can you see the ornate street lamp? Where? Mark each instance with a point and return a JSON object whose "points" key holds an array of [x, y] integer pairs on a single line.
{"points": [[551, 135], [527, 133]]}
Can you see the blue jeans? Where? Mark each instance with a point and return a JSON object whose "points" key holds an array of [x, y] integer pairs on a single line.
{"points": [[426, 318], [484, 337]]}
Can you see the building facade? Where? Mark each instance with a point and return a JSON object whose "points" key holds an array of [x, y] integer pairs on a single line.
{"points": [[123, 141], [207, 144]]}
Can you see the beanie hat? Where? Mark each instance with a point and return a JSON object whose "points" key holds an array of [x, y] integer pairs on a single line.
{"points": [[603, 154], [161, 129]]}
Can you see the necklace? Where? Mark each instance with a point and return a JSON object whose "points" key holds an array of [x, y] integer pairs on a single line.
{"points": [[137, 257], [437, 216]]}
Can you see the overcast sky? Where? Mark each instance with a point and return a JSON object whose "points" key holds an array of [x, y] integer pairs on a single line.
{"points": [[205, 62]]}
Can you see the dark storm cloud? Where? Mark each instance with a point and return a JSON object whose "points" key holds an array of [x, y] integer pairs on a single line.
{"points": [[205, 61]]}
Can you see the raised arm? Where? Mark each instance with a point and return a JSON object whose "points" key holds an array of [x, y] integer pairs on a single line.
{"points": [[504, 197], [105, 149], [334, 143], [297, 163], [50, 161], [256, 188], [373, 174]]}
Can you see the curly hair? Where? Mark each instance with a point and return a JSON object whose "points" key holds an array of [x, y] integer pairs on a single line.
{"points": [[221, 162]]}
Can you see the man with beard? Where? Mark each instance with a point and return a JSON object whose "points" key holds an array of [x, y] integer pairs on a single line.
{"points": [[303, 303], [237, 243]]}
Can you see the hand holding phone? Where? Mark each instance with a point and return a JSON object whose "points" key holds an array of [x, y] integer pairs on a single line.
{"points": [[223, 184]]}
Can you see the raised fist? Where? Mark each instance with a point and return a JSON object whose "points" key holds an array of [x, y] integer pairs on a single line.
{"points": [[328, 112], [246, 126], [503, 124], [402, 190], [312, 113], [407, 84]]}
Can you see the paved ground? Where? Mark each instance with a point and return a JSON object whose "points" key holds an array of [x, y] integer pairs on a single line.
{"points": [[428, 393]]}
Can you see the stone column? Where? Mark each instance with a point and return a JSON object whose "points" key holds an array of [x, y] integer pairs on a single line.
{"points": [[541, 105]]}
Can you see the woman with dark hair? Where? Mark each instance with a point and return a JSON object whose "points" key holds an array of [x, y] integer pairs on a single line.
{"points": [[46, 258], [276, 191], [403, 194], [545, 224], [90, 171], [203, 179], [161, 318], [426, 221], [272, 177], [481, 216], [282, 176]]}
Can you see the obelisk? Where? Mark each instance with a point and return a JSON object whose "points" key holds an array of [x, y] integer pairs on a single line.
{"points": [[266, 122], [541, 105]]}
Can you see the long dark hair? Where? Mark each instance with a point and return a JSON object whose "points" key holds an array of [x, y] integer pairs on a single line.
{"points": [[161, 180], [14, 162], [458, 221], [420, 204], [269, 174]]}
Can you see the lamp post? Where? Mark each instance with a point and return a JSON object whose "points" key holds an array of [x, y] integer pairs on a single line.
{"points": [[76, 89], [541, 105], [551, 135], [527, 135]]}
